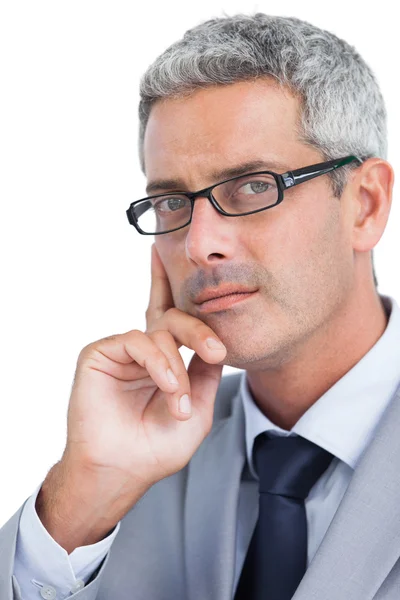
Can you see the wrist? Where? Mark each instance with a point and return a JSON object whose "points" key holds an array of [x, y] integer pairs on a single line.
{"points": [[78, 506]]}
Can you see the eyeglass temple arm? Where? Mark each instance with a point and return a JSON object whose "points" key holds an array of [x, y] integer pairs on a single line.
{"points": [[142, 208], [292, 178]]}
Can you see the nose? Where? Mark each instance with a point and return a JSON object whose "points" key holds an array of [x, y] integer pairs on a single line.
{"points": [[210, 236]]}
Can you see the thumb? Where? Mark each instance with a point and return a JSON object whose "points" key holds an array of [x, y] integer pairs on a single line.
{"points": [[204, 381]]}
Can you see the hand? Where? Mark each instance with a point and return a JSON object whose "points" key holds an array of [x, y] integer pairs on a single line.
{"points": [[123, 419]]}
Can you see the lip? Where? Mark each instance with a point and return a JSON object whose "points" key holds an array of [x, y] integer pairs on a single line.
{"points": [[224, 290], [224, 302]]}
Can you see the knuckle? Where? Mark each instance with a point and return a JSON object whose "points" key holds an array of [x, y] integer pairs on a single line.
{"points": [[156, 360], [96, 343], [169, 347], [109, 337], [85, 352], [133, 338], [134, 333], [175, 360], [161, 335], [171, 313], [202, 331], [94, 347]]}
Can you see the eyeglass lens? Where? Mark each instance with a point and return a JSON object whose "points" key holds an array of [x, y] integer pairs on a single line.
{"points": [[241, 195]]}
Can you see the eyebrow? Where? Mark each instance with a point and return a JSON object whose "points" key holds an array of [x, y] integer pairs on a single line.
{"points": [[221, 175]]}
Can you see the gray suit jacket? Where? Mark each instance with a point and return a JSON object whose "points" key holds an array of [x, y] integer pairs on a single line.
{"points": [[178, 541]]}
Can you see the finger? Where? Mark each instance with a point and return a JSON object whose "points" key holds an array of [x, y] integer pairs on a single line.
{"points": [[165, 341], [193, 333], [160, 291], [204, 381], [124, 369], [132, 346]]}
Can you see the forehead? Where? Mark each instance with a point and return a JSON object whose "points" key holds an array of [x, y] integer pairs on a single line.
{"points": [[219, 125]]}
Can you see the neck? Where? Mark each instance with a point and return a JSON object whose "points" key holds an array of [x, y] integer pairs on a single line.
{"points": [[284, 395]]}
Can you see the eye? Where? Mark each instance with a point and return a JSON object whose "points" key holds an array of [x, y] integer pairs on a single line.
{"points": [[168, 204], [255, 187]]}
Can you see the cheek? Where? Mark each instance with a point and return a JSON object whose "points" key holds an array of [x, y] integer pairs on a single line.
{"points": [[301, 247], [312, 228], [314, 254], [277, 245]]}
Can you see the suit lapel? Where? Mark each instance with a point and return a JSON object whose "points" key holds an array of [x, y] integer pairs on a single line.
{"points": [[211, 508], [363, 540]]}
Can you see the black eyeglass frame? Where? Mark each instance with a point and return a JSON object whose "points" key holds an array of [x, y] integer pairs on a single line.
{"points": [[284, 181]]}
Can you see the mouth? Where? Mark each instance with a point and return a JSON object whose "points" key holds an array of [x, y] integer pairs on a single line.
{"points": [[224, 302], [226, 289]]}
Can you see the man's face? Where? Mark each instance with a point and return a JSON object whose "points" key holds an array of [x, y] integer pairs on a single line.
{"points": [[298, 254]]}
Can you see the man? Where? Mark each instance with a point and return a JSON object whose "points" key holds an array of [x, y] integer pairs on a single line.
{"points": [[280, 481]]}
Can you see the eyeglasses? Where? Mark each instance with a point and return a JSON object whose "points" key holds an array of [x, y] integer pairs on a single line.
{"points": [[235, 197]]}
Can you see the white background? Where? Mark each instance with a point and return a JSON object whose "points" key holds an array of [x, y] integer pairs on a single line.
{"points": [[73, 269]]}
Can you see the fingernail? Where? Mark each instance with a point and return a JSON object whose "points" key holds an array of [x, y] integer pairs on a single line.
{"points": [[171, 377], [212, 343], [185, 404]]}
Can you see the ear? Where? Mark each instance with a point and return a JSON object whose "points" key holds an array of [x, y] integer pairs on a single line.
{"points": [[370, 197]]}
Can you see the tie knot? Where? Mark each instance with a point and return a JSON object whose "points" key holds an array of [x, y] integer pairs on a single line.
{"points": [[289, 466]]}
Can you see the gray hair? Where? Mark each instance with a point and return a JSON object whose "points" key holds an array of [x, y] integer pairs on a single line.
{"points": [[342, 108]]}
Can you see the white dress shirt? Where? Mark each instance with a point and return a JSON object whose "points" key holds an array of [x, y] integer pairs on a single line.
{"points": [[343, 421]]}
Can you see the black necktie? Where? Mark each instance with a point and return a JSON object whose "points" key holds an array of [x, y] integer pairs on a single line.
{"points": [[276, 560]]}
